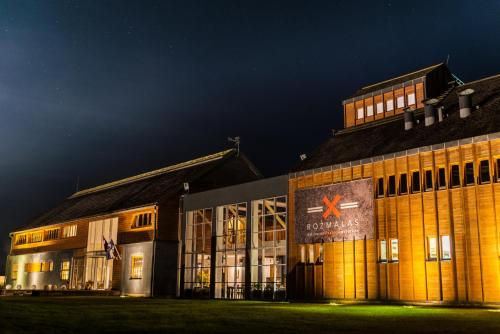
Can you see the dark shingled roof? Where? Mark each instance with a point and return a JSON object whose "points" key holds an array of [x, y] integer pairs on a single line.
{"points": [[144, 189], [389, 136], [395, 81]]}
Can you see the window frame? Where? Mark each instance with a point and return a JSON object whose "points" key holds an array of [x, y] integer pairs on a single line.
{"points": [[428, 177], [380, 107], [136, 270], [380, 187], [382, 251], [389, 105], [394, 258], [469, 182], [391, 183], [358, 110], [369, 110], [413, 190], [438, 177], [401, 182], [481, 181], [443, 249], [432, 255], [413, 98], [452, 176]]}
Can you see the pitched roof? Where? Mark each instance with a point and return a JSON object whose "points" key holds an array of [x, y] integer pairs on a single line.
{"points": [[397, 80], [132, 192], [389, 136]]}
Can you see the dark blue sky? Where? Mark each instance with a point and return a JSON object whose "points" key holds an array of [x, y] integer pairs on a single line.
{"points": [[107, 89]]}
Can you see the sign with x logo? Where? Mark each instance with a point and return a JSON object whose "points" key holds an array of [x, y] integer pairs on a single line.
{"points": [[331, 207]]}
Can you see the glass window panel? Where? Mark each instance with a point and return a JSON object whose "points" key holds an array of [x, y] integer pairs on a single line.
{"points": [[411, 99], [391, 189], [484, 171], [403, 184], [401, 101], [469, 173], [432, 244], [455, 176], [281, 204], [445, 247], [369, 110], [389, 105], [394, 250], [415, 185], [360, 113], [428, 180], [383, 250], [442, 178], [380, 108]]}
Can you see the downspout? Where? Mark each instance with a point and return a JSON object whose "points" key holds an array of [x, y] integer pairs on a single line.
{"points": [[153, 257]]}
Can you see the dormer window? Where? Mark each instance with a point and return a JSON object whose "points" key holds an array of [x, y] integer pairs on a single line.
{"points": [[369, 110], [411, 99], [142, 220], [389, 105], [380, 108], [360, 113], [401, 101]]}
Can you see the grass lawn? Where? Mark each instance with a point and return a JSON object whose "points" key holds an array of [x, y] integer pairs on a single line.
{"points": [[110, 314]]}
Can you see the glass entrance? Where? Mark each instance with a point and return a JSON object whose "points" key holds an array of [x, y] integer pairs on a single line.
{"points": [[78, 273], [98, 273]]}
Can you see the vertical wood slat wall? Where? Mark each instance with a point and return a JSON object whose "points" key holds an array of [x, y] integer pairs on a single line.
{"points": [[470, 215]]}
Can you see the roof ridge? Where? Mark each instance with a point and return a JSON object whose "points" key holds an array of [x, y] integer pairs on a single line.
{"points": [[401, 76], [146, 175], [482, 79]]}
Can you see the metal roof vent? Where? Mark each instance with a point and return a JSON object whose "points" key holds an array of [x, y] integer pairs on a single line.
{"points": [[408, 116], [465, 102], [430, 111]]}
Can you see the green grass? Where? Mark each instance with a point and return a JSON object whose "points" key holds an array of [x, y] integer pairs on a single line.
{"points": [[110, 314]]}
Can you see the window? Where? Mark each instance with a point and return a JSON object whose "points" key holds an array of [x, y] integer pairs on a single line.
{"points": [[380, 187], [411, 99], [20, 239], [302, 253], [401, 101], [65, 270], [360, 113], [52, 234], [391, 191], [403, 184], [136, 262], [432, 248], [383, 251], [380, 108], [32, 267], [455, 176], [36, 237], [415, 184], [321, 253], [484, 171], [445, 247], [428, 180], [394, 250], [46, 266], [69, 231], [13, 271], [310, 258], [369, 110], [498, 171], [441, 178], [144, 219], [389, 105], [469, 173]]}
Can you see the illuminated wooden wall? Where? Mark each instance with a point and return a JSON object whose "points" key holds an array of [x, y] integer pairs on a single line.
{"points": [[469, 215]]}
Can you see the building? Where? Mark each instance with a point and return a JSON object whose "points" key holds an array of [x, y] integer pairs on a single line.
{"points": [[65, 247], [402, 204], [234, 242]]}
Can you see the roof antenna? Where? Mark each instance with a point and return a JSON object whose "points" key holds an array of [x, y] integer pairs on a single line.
{"points": [[77, 187], [236, 141]]}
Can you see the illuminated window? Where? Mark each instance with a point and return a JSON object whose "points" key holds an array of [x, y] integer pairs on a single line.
{"points": [[21, 239], [442, 178], [380, 187], [52, 234], [321, 254], [46, 266], [13, 271], [445, 247], [302, 253], [136, 262], [391, 189], [32, 267], [469, 173], [411, 99], [403, 184], [383, 251], [65, 264], [415, 183], [69, 231], [142, 220], [369, 110], [389, 105], [380, 108], [484, 171], [36, 237], [401, 101], [428, 180], [394, 250], [497, 176], [360, 113], [455, 176], [432, 248]]}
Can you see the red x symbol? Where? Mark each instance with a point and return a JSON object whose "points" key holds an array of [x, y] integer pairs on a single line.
{"points": [[331, 206]]}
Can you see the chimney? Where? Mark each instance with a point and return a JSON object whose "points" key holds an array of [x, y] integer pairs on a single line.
{"points": [[430, 111], [408, 115], [465, 102]]}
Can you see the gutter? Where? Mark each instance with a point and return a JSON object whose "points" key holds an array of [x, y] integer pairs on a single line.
{"points": [[153, 257]]}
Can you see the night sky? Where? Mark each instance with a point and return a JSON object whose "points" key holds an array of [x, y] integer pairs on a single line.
{"points": [[107, 89]]}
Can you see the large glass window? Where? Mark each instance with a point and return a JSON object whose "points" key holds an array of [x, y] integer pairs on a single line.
{"points": [[484, 171], [469, 173], [445, 247], [268, 265], [403, 184], [391, 189], [198, 248], [455, 176], [442, 178], [230, 260], [136, 264]]}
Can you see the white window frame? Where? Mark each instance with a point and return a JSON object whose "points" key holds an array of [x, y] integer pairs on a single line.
{"points": [[411, 99], [433, 251], [394, 250], [445, 247], [389, 105], [369, 110], [360, 113], [400, 101], [383, 251], [380, 107]]}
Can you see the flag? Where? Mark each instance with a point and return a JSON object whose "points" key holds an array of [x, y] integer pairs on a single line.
{"points": [[114, 250]]}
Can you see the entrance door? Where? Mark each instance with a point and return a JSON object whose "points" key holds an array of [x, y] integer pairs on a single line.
{"points": [[78, 273], [99, 273]]}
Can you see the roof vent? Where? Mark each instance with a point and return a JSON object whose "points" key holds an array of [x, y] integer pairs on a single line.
{"points": [[408, 115], [465, 102], [303, 157], [430, 111]]}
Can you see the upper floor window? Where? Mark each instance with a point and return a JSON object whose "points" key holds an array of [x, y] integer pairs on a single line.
{"points": [[441, 178], [360, 113], [498, 171], [432, 248], [383, 251], [51, 234], [21, 239], [136, 263], [369, 110], [389, 105], [469, 173], [141, 220], [36, 236], [445, 247], [428, 180], [415, 184], [391, 189], [455, 176], [69, 231], [401, 101], [394, 250], [484, 171], [380, 187], [403, 184], [380, 108], [411, 99]]}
